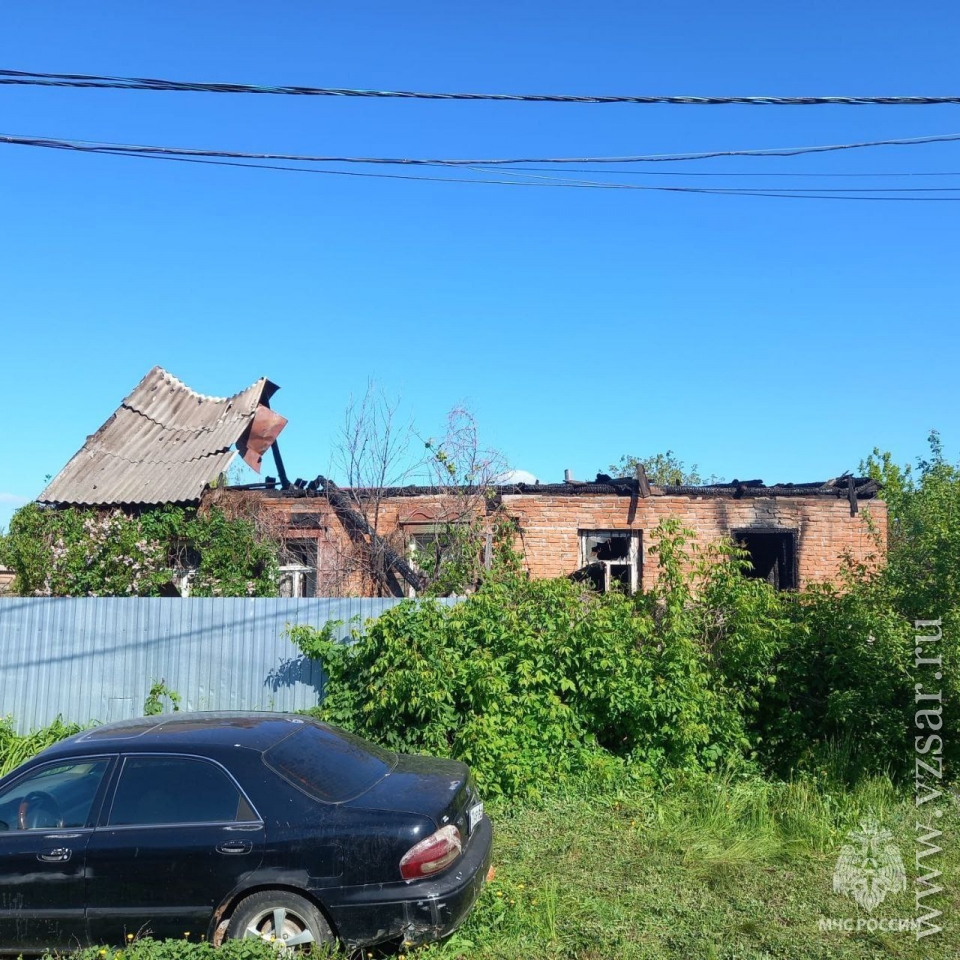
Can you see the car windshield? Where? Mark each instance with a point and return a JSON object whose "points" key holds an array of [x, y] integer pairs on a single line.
{"points": [[331, 765]]}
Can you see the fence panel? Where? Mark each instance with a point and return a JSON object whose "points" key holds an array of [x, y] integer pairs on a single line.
{"points": [[96, 658]]}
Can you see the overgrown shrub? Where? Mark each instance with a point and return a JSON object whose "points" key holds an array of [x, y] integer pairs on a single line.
{"points": [[536, 682], [533, 682], [77, 553], [923, 567], [843, 685]]}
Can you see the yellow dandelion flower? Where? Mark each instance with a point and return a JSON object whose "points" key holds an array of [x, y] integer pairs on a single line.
{"points": [[129, 936]]}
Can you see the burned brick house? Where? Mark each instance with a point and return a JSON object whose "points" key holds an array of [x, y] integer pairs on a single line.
{"points": [[167, 443], [796, 534]]}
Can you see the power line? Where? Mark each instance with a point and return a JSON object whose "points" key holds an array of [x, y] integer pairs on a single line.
{"points": [[96, 81], [92, 146], [555, 182], [803, 175]]}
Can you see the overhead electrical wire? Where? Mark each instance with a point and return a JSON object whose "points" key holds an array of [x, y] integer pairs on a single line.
{"points": [[98, 81], [523, 178], [92, 146], [802, 175]]}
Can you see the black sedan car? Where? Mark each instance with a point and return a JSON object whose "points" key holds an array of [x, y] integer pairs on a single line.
{"points": [[235, 825]]}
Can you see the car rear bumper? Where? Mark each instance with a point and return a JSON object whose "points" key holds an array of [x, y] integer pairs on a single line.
{"points": [[416, 912]]}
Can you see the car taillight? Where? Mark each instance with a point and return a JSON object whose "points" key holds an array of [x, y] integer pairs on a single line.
{"points": [[431, 855]]}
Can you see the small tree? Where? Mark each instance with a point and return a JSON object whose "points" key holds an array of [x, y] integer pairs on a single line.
{"points": [[378, 450], [663, 469], [374, 452], [464, 475]]}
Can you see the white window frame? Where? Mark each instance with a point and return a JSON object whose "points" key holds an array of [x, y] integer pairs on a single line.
{"points": [[297, 574], [631, 561]]}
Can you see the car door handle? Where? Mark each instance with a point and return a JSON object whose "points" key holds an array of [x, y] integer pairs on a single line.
{"points": [[235, 846], [56, 855]]}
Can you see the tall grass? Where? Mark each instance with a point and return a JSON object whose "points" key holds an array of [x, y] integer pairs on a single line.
{"points": [[16, 748], [726, 821]]}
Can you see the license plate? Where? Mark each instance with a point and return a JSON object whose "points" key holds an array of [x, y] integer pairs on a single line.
{"points": [[474, 816]]}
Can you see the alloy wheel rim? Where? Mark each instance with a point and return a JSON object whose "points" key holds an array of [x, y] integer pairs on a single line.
{"points": [[280, 926]]}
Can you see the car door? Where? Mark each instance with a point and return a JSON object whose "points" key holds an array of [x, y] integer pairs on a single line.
{"points": [[46, 819], [176, 837]]}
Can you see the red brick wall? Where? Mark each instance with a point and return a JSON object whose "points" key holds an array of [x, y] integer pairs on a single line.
{"points": [[825, 529], [550, 529]]}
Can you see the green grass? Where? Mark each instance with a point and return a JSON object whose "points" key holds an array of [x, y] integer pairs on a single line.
{"points": [[718, 868], [712, 869], [17, 748]]}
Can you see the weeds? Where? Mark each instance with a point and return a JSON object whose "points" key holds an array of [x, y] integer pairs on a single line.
{"points": [[16, 748]]}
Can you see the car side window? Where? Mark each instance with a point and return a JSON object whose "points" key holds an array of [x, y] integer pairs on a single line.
{"points": [[53, 796], [165, 790]]}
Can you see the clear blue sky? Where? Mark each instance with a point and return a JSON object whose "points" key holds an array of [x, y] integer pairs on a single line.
{"points": [[770, 338]]}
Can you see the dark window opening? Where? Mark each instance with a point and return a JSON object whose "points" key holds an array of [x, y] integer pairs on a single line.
{"points": [[773, 556], [610, 560], [183, 555], [298, 568]]}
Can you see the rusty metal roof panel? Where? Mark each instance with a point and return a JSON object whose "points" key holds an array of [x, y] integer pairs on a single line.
{"points": [[164, 444]]}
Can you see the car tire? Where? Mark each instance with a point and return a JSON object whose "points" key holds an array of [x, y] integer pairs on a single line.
{"points": [[300, 922]]}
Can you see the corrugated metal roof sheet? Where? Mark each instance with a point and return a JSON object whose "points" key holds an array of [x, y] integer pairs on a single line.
{"points": [[164, 444]]}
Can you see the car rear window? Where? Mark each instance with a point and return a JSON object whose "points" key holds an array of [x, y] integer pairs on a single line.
{"points": [[331, 765], [166, 790]]}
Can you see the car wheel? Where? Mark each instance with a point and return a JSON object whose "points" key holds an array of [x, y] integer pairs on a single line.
{"points": [[280, 917]]}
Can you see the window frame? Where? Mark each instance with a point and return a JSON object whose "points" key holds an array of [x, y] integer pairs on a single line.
{"points": [[633, 560], [738, 533], [96, 805], [107, 808], [300, 574]]}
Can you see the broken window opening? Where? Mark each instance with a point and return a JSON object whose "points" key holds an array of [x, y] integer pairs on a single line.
{"points": [[298, 568], [610, 559], [429, 545], [773, 555]]}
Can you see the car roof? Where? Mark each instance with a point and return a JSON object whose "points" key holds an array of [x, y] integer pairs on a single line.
{"points": [[256, 731]]}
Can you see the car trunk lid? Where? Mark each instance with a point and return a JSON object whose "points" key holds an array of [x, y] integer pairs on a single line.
{"points": [[441, 790]]}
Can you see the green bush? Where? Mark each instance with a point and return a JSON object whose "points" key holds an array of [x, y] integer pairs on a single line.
{"points": [[98, 553], [843, 688], [535, 682], [923, 568]]}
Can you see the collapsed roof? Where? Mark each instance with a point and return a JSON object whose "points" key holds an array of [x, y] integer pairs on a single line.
{"points": [[166, 443], [863, 488]]}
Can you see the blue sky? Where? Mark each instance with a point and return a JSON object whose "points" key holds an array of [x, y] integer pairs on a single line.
{"points": [[759, 337]]}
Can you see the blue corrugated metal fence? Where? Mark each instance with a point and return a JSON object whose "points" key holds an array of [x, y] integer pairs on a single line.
{"points": [[96, 658]]}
